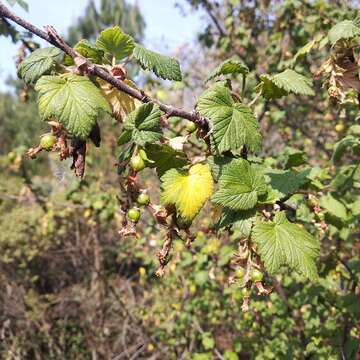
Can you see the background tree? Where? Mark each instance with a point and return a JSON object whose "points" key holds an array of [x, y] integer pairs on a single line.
{"points": [[109, 13]]}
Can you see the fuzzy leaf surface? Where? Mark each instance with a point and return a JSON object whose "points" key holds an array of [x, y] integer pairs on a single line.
{"points": [[164, 157], [240, 186], [229, 66], [344, 30], [39, 63], [284, 83], [234, 124], [162, 66], [115, 42], [281, 242], [72, 100], [142, 125], [88, 50]]}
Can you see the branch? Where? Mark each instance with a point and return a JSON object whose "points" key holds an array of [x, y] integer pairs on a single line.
{"points": [[208, 8], [53, 38]]}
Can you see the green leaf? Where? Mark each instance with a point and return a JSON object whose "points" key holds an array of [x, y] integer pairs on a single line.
{"points": [[234, 124], [164, 157], [333, 206], [163, 66], [39, 63], [187, 190], [307, 48], [142, 125], [294, 157], [225, 255], [281, 242], [344, 30], [218, 164], [286, 182], [207, 341], [288, 81], [72, 100], [240, 221], [88, 50], [348, 142], [115, 42], [240, 186], [229, 66], [354, 130], [124, 157]]}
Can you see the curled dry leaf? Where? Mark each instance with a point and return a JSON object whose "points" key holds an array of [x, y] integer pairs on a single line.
{"points": [[78, 153], [121, 103], [349, 77]]}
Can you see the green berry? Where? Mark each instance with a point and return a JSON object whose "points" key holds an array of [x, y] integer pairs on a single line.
{"points": [[191, 127], [240, 273], [48, 141], [137, 163], [12, 156], [256, 275], [134, 214], [245, 292], [143, 199]]}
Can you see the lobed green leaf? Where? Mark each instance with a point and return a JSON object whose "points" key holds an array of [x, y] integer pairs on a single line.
{"points": [[115, 42], [40, 62], [240, 186], [234, 124], [288, 81], [142, 125], [281, 242], [72, 100], [163, 66], [344, 30], [229, 66]]}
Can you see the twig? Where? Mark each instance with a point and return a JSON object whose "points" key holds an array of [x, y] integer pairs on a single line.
{"points": [[52, 37], [201, 331], [208, 8]]}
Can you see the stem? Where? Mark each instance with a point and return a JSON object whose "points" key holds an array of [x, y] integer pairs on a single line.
{"points": [[255, 99], [53, 38], [243, 86]]}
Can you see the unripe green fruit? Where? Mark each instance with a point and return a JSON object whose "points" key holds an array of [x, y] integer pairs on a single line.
{"points": [[339, 127], [256, 275], [134, 214], [143, 199], [48, 141], [321, 216], [245, 292], [191, 127], [12, 156], [240, 273], [137, 163]]}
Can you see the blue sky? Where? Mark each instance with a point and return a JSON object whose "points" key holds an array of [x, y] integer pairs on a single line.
{"points": [[166, 27]]}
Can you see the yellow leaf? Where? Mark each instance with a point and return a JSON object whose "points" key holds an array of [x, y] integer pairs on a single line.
{"points": [[121, 103], [188, 191]]}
